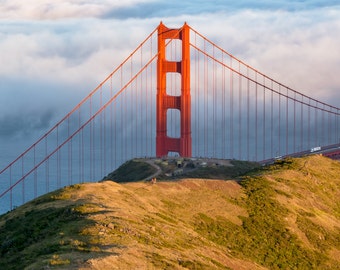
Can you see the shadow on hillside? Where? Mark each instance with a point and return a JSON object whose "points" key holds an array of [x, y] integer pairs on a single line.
{"points": [[51, 235]]}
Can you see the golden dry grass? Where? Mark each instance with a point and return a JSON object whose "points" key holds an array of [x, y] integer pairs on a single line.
{"points": [[186, 224]]}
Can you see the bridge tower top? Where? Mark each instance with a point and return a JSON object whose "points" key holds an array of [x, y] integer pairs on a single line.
{"points": [[164, 143]]}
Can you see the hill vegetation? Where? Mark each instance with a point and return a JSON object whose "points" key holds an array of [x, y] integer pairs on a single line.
{"points": [[284, 216], [180, 168], [131, 171]]}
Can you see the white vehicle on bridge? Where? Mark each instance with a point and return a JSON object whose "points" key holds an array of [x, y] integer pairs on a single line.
{"points": [[315, 149]]}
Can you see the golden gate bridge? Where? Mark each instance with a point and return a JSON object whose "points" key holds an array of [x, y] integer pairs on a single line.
{"points": [[178, 93]]}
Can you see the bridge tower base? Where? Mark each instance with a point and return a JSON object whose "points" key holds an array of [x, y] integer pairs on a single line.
{"points": [[164, 143]]}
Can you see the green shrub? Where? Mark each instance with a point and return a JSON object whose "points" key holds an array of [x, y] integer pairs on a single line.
{"points": [[262, 237], [131, 171]]}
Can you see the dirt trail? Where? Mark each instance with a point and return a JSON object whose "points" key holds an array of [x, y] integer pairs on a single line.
{"points": [[158, 169]]}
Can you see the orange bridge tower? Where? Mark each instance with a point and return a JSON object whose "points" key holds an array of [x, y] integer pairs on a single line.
{"points": [[164, 143]]}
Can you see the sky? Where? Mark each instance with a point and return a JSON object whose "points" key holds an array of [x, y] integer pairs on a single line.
{"points": [[53, 53]]}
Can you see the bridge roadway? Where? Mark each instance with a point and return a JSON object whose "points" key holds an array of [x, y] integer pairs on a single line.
{"points": [[331, 151]]}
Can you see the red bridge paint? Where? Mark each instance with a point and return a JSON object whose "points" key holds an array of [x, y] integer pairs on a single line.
{"points": [[164, 143]]}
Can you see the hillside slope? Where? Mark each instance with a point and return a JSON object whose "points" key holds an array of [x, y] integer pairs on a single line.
{"points": [[283, 216]]}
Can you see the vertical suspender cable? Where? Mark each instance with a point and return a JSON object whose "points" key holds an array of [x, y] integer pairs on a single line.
{"points": [[231, 100], [287, 127], [195, 85], [264, 121], [91, 142], [256, 120], [279, 140], [69, 155], [205, 100], [58, 160], [294, 127], [301, 124], [144, 147], [198, 94], [272, 121], [316, 135], [329, 128], [223, 110], [239, 111], [23, 182], [114, 140], [336, 125], [100, 143], [111, 137], [11, 191], [248, 114], [140, 106], [47, 174], [309, 124], [35, 172], [121, 126], [130, 110], [214, 102], [103, 138], [80, 149], [323, 129]]}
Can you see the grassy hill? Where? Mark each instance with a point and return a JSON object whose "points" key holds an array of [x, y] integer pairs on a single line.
{"points": [[285, 216]]}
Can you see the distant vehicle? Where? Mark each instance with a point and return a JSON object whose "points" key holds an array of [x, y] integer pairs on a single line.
{"points": [[315, 149]]}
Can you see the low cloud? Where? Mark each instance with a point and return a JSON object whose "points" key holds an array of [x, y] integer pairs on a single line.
{"points": [[82, 50], [55, 10], [18, 126]]}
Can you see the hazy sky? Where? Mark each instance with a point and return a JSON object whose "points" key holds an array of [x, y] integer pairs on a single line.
{"points": [[53, 53]]}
